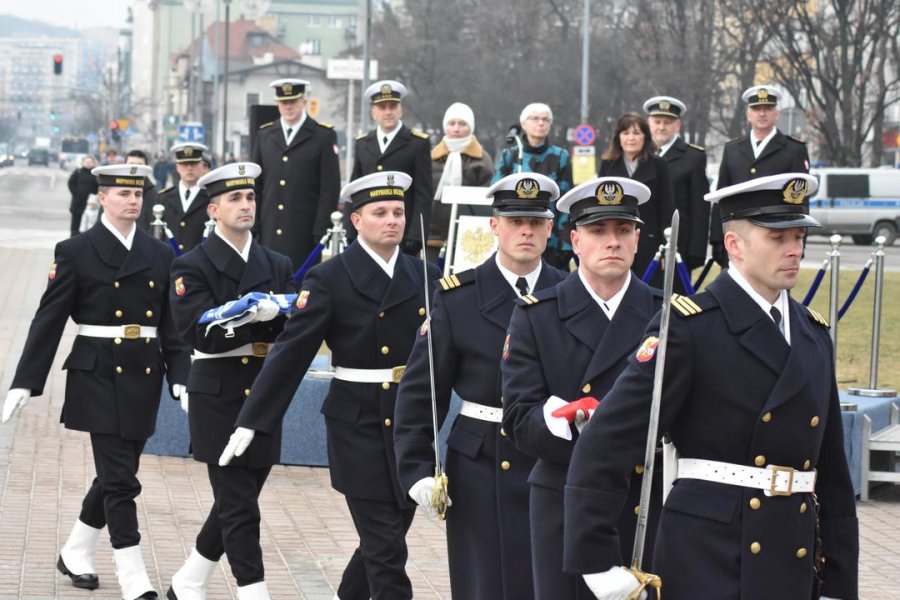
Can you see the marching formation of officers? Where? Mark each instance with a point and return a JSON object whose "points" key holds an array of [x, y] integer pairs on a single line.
{"points": [[555, 370]]}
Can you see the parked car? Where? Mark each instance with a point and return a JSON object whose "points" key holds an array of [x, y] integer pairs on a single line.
{"points": [[861, 203], [39, 156]]}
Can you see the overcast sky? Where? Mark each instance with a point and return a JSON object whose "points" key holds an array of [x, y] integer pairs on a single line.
{"points": [[70, 13]]}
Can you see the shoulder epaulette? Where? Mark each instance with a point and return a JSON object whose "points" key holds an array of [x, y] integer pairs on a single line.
{"points": [[269, 124], [163, 191], [817, 318], [696, 147], [685, 305], [451, 282], [325, 124], [419, 133], [794, 139], [362, 135]]}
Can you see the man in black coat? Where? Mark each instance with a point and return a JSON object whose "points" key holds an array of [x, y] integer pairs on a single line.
{"points": [[185, 202], [749, 398], [228, 265], [113, 281], [766, 151], [392, 146], [301, 177], [566, 346], [687, 172], [487, 526], [81, 185], [151, 193], [367, 304]]}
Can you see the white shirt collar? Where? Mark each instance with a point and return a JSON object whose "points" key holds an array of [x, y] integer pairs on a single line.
{"points": [[294, 128], [781, 303], [390, 136], [386, 266], [607, 306], [760, 145], [245, 253], [511, 278], [126, 240], [665, 147], [182, 189]]}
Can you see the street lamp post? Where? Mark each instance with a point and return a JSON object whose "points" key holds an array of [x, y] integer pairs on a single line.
{"points": [[225, 83]]}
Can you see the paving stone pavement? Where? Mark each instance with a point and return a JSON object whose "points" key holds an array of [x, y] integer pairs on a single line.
{"points": [[307, 534]]}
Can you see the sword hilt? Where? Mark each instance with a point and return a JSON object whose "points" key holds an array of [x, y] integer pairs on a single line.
{"points": [[646, 580], [439, 496]]}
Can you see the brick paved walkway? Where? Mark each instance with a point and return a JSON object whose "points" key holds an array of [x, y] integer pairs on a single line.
{"points": [[307, 534]]}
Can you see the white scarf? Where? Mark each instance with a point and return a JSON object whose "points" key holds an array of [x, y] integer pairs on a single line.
{"points": [[452, 174]]}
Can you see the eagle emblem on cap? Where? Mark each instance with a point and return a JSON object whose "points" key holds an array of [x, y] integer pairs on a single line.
{"points": [[390, 179], [664, 105], [762, 94], [386, 90], [188, 151], [527, 189], [287, 89], [795, 191], [241, 170], [133, 171], [609, 194]]}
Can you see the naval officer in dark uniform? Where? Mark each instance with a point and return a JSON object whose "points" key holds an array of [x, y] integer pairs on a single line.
{"points": [[749, 399], [367, 304], [185, 203], [487, 526], [113, 281], [687, 172], [566, 346], [765, 151], [228, 266], [392, 146], [301, 179]]}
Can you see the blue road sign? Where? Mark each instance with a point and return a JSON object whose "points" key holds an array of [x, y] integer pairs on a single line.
{"points": [[191, 132], [585, 135]]}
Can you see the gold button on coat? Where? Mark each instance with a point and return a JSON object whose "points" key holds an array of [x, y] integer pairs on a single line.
{"points": [[753, 170], [760, 460], [181, 246], [277, 232], [803, 508], [385, 349], [116, 284], [387, 422], [637, 509], [502, 432], [148, 370], [421, 312], [381, 315], [801, 553], [281, 207], [767, 417], [505, 465], [587, 388], [385, 386], [247, 392], [118, 340], [245, 360], [639, 469], [149, 313], [380, 168], [182, 224], [282, 182], [151, 284], [806, 464], [118, 369], [814, 422], [755, 548], [284, 159], [119, 313], [754, 503]]}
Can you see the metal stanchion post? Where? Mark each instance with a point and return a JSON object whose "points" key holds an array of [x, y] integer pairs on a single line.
{"points": [[833, 303], [872, 390], [158, 226], [208, 227], [335, 246]]}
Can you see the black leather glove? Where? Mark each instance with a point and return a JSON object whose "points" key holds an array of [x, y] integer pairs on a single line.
{"points": [[411, 247], [719, 254]]}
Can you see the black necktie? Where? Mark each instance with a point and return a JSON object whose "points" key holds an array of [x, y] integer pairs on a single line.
{"points": [[385, 141], [776, 316], [288, 133], [187, 194], [522, 286]]}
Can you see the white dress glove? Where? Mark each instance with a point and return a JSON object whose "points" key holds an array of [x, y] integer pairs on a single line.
{"points": [[421, 493], [181, 393], [237, 444], [615, 584], [266, 310], [15, 400], [558, 426]]}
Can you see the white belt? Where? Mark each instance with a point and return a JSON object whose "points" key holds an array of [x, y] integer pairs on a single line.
{"points": [[257, 349], [481, 412], [773, 479], [128, 332], [370, 375]]}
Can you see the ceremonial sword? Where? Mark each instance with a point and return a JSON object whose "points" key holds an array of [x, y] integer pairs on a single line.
{"points": [[640, 532], [439, 494]]}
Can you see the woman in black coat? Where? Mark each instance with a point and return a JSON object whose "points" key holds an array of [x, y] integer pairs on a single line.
{"points": [[631, 153]]}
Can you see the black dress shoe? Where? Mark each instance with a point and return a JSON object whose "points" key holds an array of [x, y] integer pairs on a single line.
{"points": [[148, 596], [85, 581], [170, 594]]}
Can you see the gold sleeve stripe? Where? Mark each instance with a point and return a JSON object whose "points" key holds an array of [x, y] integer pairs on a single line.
{"points": [[685, 305]]}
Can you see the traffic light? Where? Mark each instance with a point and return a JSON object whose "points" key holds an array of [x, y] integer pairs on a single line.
{"points": [[57, 64], [114, 130]]}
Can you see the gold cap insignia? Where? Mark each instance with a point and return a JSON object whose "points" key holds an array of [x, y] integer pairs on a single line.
{"points": [[189, 152], [386, 90], [527, 189], [390, 179], [287, 88], [664, 105], [762, 94], [133, 171], [795, 191], [241, 170], [609, 194]]}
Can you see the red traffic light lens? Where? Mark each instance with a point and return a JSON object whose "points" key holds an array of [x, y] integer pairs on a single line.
{"points": [[57, 58], [113, 124]]}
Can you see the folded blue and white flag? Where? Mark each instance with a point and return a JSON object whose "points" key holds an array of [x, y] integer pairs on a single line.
{"points": [[239, 312]]}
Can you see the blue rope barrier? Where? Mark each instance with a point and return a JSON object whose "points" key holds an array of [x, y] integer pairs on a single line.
{"points": [[651, 269], [855, 290], [704, 273], [815, 284], [685, 277], [174, 243], [308, 263]]}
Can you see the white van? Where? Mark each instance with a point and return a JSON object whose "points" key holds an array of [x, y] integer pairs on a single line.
{"points": [[861, 203]]}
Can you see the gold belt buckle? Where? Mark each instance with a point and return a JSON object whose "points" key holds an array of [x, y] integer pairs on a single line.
{"points": [[397, 373], [131, 332], [260, 349], [774, 480]]}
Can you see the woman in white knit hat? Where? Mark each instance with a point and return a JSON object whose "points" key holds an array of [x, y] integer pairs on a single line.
{"points": [[457, 160]]}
